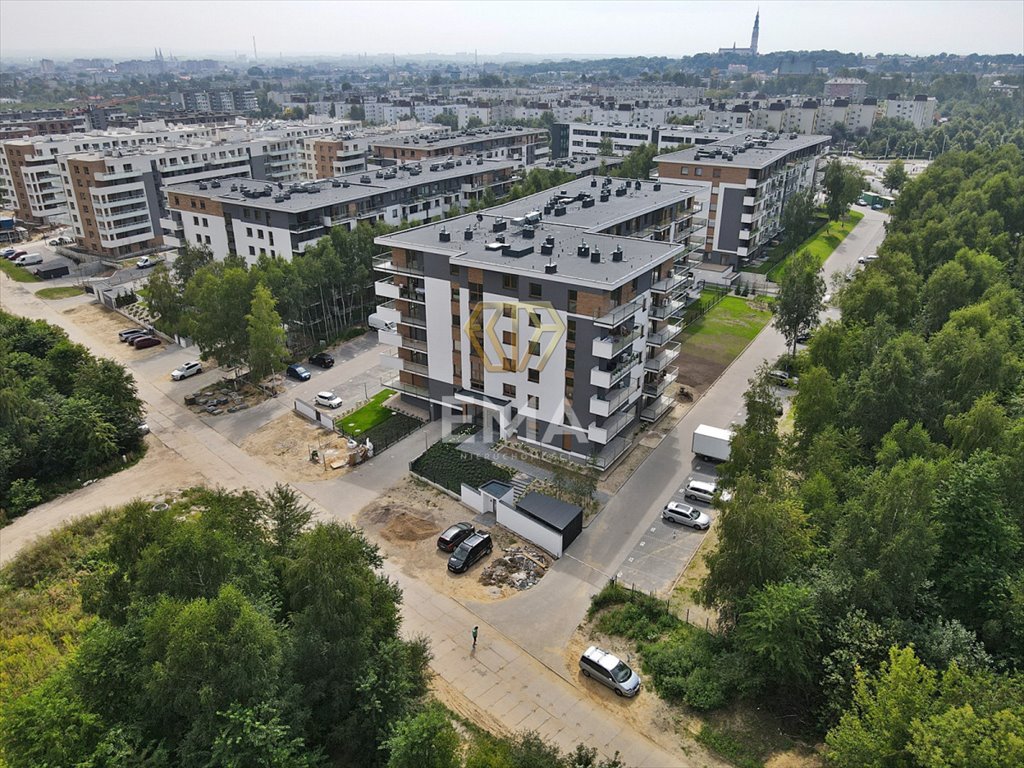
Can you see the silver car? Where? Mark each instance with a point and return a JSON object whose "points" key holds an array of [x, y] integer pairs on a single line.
{"points": [[610, 671], [699, 490], [686, 515]]}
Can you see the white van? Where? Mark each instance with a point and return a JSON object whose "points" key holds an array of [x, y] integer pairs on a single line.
{"points": [[377, 323], [29, 259]]}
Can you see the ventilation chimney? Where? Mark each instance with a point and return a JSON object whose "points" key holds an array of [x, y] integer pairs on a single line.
{"points": [[500, 225], [559, 210], [593, 182], [638, 185], [467, 234], [550, 268], [547, 248], [445, 236], [528, 231], [588, 202], [583, 250], [657, 186], [500, 239], [617, 253], [595, 256], [605, 196], [549, 240]]}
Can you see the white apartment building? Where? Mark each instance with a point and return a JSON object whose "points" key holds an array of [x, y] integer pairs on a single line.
{"points": [[919, 110]]}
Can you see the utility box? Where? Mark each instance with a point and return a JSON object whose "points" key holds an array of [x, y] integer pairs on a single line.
{"points": [[711, 443]]}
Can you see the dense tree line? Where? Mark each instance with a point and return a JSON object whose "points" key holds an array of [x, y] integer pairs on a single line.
{"points": [[65, 416], [223, 632], [869, 574]]}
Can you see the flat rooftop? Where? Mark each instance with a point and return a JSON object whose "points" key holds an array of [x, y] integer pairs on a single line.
{"points": [[635, 202], [522, 255], [455, 139], [736, 150], [347, 188]]}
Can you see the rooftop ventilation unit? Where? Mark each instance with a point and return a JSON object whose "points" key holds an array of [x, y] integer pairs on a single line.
{"points": [[595, 256], [528, 232], [637, 186], [547, 248], [518, 221], [444, 235], [593, 182], [467, 234], [559, 210], [364, 179], [550, 268], [335, 183], [605, 196], [583, 250], [547, 210], [202, 186], [533, 217], [215, 184], [588, 202], [620, 191], [517, 252], [657, 186], [500, 238], [234, 187], [500, 225], [617, 253]]}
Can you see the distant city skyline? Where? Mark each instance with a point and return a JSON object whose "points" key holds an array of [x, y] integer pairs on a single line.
{"points": [[555, 29]]}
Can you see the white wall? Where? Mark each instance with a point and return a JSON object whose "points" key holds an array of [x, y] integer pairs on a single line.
{"points": [[530, 529], [437, 293]]}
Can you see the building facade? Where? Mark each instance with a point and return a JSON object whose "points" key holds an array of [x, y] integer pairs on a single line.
{"points": [[548, 319], [919, 110], [748, 178]]}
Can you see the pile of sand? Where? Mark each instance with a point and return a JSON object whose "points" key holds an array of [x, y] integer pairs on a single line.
{"points": [[409, 527]]}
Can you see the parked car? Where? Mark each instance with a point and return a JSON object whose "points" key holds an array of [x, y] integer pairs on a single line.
{"points": [[477, 546], [62, 240], [321, 359], [144, 263], [144, 342], [686, 515], [803, 337], [127, 333], [17, 254], [700, 490], [862, 201], [877, 207], [609, 670], [865, 259], [327, 399], [454, 535], [6, 253], [783, 378], [296, 371], [190, 368], [28, 259]]}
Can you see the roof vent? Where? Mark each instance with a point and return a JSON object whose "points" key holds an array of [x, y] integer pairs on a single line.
{"points": [[595, 256], [547, 248], [500, 238], [583, 250], [234, 187], [550, 268], [620, 191], [215, 184], [593, 182], [467, 234], [559, 210], [638, 185], [657, 186], [617, 253], [202, 186], [500, 225], [588, 202], [344, 184], [550, 239], [605, 196], [547, 210], [528, 231], [444, 235]]}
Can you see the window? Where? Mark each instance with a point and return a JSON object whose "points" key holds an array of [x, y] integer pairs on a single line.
{"points": [[568, 392], [534, 319], [456, 321], [508, 310], [476, 292], [533, 376], [570, 359], [248, 231], [199, 239], [508, 390], [207, 239], [532, 401], [573, 296], [508, 364], [535, 291], [206, 222], [252, 251], [534, 347], [259, 233], [698, 171], [453, 270], [270, 237], [510, 282], [716, 173], [509, 337], [684, 171]]}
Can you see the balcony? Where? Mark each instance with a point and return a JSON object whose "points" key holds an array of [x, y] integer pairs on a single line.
{"points": [[607, 379], [400, 364], [663, 359], [620, 313], [667, 309], [389, 313], [606, 405], [658, 387], [611, 427], [390, 338], [672, 283], [610, 453], [410, 389], [664, 336], [609, 346], [386, 288], [749, 200], [383, 263], [656, 410]]}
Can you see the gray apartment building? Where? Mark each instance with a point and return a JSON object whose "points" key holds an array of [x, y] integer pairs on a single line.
{"points": [[552, 318]]}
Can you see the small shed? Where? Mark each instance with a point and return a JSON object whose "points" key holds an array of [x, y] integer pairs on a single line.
{"points": [[486, 498], [549, 523]]}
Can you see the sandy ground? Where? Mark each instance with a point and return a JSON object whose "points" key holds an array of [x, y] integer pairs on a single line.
{"points": [[285, 443], [661, 722], [405, 522], [160, 474], [103, 325]]}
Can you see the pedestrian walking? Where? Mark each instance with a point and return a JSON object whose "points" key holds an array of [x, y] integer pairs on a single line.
{"points": [[475, 630]]}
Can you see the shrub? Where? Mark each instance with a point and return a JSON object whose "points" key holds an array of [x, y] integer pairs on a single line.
{"points": [[391, 430], [446, 465]]}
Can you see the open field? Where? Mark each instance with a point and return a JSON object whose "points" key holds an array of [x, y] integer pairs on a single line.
{"points": [[821, 243]]}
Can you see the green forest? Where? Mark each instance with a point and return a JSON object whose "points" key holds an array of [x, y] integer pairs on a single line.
{"points": [[869, 576], [65, 416]]}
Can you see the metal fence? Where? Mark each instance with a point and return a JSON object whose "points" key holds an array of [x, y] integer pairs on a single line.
{"points": [[710, 297]]}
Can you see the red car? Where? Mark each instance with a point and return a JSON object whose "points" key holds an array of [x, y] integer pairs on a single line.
{"points": [[143, 342]]}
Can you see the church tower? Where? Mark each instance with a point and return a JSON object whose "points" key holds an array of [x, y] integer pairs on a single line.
{"points": [[753, 35]]}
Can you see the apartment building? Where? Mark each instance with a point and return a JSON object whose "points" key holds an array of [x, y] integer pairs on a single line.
{"points": [[919, 110], [582, 139], [549, 318], [849, 88], [526, 145], [809, 116], [254, 219], [748, 178]]}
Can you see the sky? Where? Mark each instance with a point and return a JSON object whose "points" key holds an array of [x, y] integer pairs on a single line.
{"points": [[556, 28]]}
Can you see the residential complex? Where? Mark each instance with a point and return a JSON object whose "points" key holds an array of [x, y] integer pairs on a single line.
{"points": [[807, 116], [525, 145], [919, 110], [579, 139], [255, 218], [850, 88], [747, 177], [549, 318]]}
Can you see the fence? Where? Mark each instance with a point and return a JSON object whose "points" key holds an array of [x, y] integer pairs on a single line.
{"points": [[692, 620], [710, 297]]}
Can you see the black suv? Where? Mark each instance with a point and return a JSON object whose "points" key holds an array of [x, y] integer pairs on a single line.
{"points": [[321, 359], [472, 549]]}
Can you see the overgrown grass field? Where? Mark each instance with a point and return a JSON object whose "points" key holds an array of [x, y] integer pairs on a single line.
{"points": [[726, 330]]}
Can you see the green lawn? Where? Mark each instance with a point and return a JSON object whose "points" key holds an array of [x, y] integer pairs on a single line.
{"points": [[17, 274], [725, 331], [370, 415], [821, 243], [60, 292]]}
